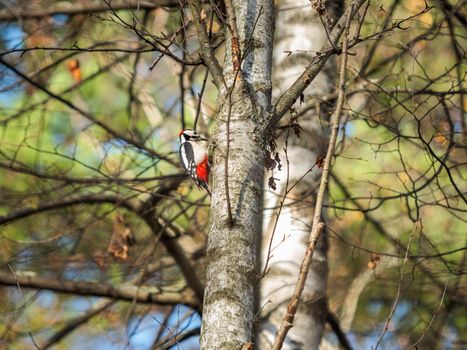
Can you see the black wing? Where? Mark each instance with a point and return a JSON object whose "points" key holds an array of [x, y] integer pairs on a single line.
{"points": [[186, 153], [187, 157]]}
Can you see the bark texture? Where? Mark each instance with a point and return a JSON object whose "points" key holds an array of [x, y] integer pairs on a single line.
{"points": [[229, 303], [301, 32]]}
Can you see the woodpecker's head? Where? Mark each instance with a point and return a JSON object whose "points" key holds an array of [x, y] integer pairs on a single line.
{"points": [[189, 135]]}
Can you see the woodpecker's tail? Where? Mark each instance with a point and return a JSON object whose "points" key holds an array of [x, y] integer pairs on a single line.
{"points": [[206, 187]]}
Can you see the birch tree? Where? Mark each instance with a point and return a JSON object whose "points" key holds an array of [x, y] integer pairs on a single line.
{"points": [[286, 229]]}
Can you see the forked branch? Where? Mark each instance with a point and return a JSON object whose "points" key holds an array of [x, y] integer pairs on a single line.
{"points": [[293, 93]]}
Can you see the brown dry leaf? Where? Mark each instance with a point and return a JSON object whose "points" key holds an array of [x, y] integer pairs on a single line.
{"points": [[320, 160], [296, 128], [272, 183], [202, 15], [121, 239], [374, 260], [99, 259], [319, 7], [269, 162], [247, 346], [440, 139], [278, 161], [302, 98]]}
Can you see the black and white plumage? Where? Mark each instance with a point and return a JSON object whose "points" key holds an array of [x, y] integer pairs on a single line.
{"points": [[194, 157]]}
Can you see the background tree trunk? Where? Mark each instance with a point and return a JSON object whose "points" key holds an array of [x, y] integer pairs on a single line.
{"points": [[301, 30]]}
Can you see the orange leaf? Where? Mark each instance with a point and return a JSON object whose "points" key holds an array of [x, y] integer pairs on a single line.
{"points": [[374, 260], [73, 68]]}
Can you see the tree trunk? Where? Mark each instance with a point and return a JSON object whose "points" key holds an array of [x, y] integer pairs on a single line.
{"points": [[301, 32], [229, 301]]}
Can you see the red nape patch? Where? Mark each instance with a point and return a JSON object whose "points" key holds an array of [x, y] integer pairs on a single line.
{"points": [[202, 170], [180, 133]]}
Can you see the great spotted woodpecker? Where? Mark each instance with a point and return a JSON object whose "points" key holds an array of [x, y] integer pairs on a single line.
{"points": [[194, 157]]}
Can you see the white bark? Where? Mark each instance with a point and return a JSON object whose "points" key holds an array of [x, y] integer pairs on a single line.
{"points": [[229, 303], [300, 31]]}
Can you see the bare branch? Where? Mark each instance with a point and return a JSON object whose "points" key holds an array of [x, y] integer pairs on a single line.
{"points": [[145, 210], [399, 288], [205, 44], [293, 93], [73, 324], [89, 199], [436, 313], [77, 8], [336, 327], [142, 294]]}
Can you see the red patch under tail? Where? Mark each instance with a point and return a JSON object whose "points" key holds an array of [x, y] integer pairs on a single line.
{"points": [[202, 170]]}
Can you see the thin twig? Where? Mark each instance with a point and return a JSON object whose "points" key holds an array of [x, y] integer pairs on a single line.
{"points": [[205, 80], [237, 59], [206, 49], [280, 207], [337, 329], [289, 97], [371, 51], [399, 290], [235, 43], [77, 8], [236, 63], [75, 323], [200, 99], [414, 345], [17, 284], [226, 161], [182, 71]]}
